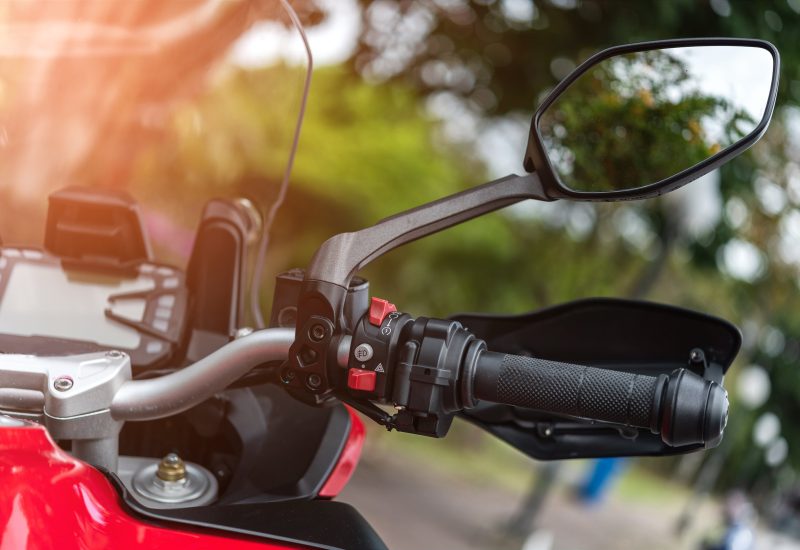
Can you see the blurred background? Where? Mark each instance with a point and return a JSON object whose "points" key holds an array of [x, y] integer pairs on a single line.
{"points": [[411, 101]]}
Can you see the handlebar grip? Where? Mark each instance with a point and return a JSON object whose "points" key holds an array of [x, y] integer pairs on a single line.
{"points": [[573, 390], [684, 408]]}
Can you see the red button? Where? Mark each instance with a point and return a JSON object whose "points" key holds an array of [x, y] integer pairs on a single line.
{"points": [[361, 379], [378, 310]]}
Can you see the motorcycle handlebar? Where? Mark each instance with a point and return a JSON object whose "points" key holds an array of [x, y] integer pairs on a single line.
{"points": [[173, 393], [684, 408]]}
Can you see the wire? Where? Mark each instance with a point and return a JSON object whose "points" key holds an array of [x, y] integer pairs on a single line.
{"points": [[258, 271]]}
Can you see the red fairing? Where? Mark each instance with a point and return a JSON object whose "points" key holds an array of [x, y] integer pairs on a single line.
{"points": [[348, 460], [50, 500]]}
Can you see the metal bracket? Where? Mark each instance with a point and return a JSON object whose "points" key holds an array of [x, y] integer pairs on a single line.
{"points": [[74, 398]]}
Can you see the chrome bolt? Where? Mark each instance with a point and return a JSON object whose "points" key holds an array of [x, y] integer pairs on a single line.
{"points": [[62, 383], [114, 354]]}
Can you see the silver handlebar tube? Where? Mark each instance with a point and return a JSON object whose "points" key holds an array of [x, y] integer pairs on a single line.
{"points": [[181, 390], [86, 398]]}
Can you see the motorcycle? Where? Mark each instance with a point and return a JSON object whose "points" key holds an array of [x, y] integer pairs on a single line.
{"points": [[138, 409]]}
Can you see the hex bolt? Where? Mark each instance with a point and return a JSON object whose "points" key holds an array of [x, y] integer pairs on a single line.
{"points": [[314, 381], [62, 383], [317, 332]]}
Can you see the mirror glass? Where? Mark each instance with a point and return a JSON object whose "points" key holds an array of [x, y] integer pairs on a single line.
{"points": [[638, 118]]}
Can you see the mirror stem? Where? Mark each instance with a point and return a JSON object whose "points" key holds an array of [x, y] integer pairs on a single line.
{"points": [[341, 256]]}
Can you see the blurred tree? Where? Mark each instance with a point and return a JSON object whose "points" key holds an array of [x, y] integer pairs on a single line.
{"points": [[501, 55]]}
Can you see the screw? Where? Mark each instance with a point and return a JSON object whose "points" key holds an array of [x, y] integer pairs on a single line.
{"points": [[314, 381], [114, 354], [696, 356], [317, 332], [62, 383]]}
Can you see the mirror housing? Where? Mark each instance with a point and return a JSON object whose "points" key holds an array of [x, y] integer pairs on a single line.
{"points": [[538, 160]]}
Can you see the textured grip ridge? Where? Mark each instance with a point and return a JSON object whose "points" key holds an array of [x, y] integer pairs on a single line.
{"points": [[575, 390]]}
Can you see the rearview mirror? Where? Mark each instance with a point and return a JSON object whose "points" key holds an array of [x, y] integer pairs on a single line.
{"points": [[643, 119], [632, 122]]}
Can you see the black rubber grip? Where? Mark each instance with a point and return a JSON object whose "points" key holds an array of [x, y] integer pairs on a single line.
{"points": [[573, 390]]}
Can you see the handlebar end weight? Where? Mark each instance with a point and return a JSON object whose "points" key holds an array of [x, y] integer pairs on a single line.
{"points": [[694, 410]]}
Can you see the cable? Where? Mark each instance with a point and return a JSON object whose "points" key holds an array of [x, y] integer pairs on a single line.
{"points": [[258, 271]]}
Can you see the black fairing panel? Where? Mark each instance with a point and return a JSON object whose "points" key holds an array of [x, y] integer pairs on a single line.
{"points": [[628, 335], [320, 524]]}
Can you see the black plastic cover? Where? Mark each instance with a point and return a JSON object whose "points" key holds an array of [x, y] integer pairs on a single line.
{"points": [[602, 332], [95, 224], [309, 524]]}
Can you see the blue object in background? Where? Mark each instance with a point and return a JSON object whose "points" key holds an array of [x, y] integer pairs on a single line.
{"points": [[599, 479]]}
